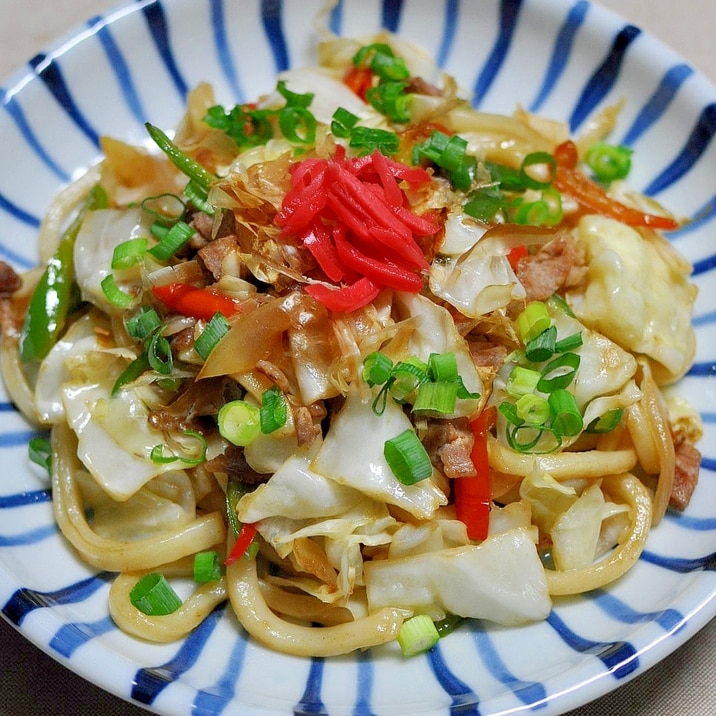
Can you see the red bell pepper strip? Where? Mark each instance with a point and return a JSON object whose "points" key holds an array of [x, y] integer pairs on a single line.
{"points": [[359, 80], [201, 303], [346, 298], [472, 494], [516, 254], [243, 542], [569, 180]]}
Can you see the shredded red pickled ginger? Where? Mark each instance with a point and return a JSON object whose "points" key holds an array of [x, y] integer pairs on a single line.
{"points": [[355, 219]]}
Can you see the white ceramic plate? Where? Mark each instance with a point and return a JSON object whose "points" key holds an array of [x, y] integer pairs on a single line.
{"points": [[563, 59]]}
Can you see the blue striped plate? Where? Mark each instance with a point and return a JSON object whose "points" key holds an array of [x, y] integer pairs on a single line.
{"points": [[563, 59]]}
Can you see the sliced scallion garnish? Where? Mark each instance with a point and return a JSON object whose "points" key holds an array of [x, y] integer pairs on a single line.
{"points": [[154, 596], [407, 458], [417, 635], [273, 412], [173, 240], [207, 567], [239, 422], [128, 253], [114, 294], [214, 331]]}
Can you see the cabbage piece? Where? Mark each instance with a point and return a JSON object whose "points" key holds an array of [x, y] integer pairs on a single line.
{"points": [[479, 280], [547, 498], [163, 504], [366, 523], [436, 333], [575, 532], [430, 536], [637, 293], [114, 438], [501, 580], [101, 232], [78, 342], [352, 455], [297, 492]]}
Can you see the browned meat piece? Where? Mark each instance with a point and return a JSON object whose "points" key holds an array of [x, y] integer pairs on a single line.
{"points": [[418, 85], [686, 475], [233, 462], [449, 444], [9, 280], [558, 264], [303, 420], [203, 224], [486, 354], [214, 253]]}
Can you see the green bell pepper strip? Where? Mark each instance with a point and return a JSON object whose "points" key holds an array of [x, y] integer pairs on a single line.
{"points": [[51, 300]]}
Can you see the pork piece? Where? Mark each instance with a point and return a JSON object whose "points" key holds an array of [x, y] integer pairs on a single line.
{"points": [[9, 280], [449, 444], [487, 355], [686, 475], [201, 400], [558, 264], [214, 253], [233, 462]]}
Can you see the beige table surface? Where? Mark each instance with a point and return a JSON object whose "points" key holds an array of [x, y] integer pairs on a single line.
{"points": [[32, 683]]}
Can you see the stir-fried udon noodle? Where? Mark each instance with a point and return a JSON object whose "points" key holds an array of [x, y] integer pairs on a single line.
{"points": [[353, 357]]}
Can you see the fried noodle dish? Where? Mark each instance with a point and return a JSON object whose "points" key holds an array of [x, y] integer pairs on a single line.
{"points": [[358, 358]]}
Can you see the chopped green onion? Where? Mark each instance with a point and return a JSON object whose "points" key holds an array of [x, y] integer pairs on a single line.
{"points": [[366, 139], [566, 418], [235, 490], [569, 343], [248, 128], [128, 253], [607, 422], [417, 635], [407, 458], [343, 122], [207, 567], [542, 347], [39, 451], [507, 178], [532, 178], [483, 204], [154, 596], [294, 99], [298, 125], [198, 197], [609, 161], [138, 366], [532, 409], [442, 367], [159, 354], [239, 422], [546, 211], [144, 323], [157, 454], [449, 153], [382, 60], [559, 372], [159, 207], [172, 241], [558, 303], [185, 164], [114, 293], [405, 379], [273, 412], [215, 330], [449, 624], [377, 368], [522, 381], [436, 398], [390, 99], [533, 320]]}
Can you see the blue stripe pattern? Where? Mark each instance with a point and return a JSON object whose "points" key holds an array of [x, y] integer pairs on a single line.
{"points": [[457, 686]]}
